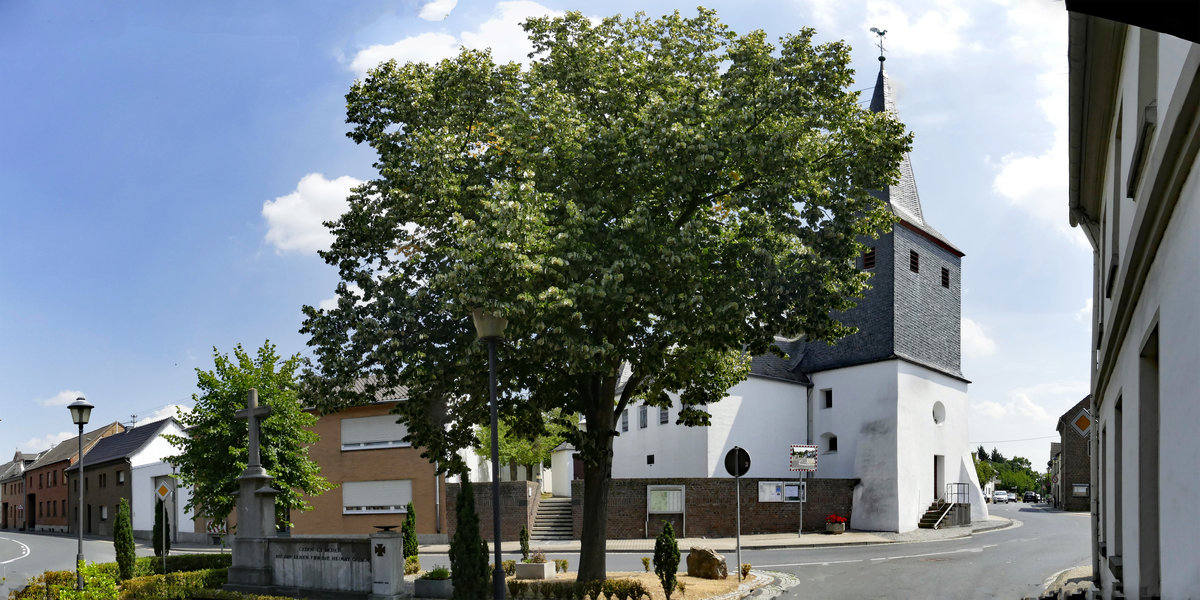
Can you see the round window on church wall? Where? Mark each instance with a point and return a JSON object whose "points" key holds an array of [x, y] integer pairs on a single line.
{"points": [[939, 412]]}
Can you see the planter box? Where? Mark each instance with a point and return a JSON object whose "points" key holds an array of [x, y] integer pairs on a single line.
{"points": [[835, 528], [535, 570], [433, 588]]}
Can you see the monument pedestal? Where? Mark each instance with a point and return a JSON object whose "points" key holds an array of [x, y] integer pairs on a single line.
{"points": [[387, 565], [251, 570]]}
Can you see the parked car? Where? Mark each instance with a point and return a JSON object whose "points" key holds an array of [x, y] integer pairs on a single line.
{"points": [[1012, 495], [1000, 496], [1031, 496]]}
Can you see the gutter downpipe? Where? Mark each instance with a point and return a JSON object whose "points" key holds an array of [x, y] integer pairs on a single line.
{"points": [[437, 498]]}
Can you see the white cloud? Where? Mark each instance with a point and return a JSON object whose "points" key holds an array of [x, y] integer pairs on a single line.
{"points": [[49, 441], [437, 10], [1033, 408], [331, 303], [1085, 314], [170, 410], [502, 33], [62, 398], [295, 221], [937, 31], [975, 341]]}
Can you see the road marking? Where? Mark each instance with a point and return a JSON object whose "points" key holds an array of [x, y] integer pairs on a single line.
{"points": [[825, 563], [24, 551]]}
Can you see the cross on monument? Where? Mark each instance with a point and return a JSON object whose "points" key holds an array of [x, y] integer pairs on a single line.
{"points": [[252, 413]]}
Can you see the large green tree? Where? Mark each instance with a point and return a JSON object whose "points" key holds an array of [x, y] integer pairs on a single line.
{"points": [[215, 450], [518, 448], [648, 203]]}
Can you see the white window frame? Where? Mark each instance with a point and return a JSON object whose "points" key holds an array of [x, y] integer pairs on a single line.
{"points": [[625, 420], [397, 488], [643, 417]]}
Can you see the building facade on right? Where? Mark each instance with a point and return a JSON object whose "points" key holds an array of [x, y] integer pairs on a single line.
{"points": [[1135, 192]]}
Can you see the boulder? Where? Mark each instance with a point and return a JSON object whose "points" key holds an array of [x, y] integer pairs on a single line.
{"points": [[706, 563]]}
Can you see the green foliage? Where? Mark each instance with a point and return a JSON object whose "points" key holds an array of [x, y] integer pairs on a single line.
{"points": [[981, 454], [1015, 473], [123, 544], [509, 566], [525, 543], [97, 585], [646, 563], [984, 471], [658, 194], [162, 523], [173, 586], [746, 570], [996, 456], [45, 586], [215, 451], [224, 595], [437, 573], [412, 565], [518, 447], [666, 559], [561, 565], [468, 551], [538, 556], [409, 530]]}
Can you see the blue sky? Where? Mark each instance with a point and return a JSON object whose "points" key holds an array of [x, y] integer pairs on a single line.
{"points": [[164, 169]]}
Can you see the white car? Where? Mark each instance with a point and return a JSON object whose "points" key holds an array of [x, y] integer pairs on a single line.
{"points": [[1000, 496]]}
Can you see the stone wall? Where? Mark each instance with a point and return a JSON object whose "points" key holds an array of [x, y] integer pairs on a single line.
{"points": [[518, 506], [709, 506]]}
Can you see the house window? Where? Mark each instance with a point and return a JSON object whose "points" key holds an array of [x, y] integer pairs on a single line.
{"points": [[41, 480], [120, 477], [64, 507], [869, 258], [103, 512], [914, 261], [376, 497], [945, 278], [53, 509], [102, 480], [664, 415], [53, 478], [642, 417], [625, 420], [370, 433], [828, 394]]}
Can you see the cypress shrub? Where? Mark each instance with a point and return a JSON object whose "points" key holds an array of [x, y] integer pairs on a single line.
{"points": [[123, 542], [666, 559], [524, 544], [162, 522], [468, 551], [409, 529]]}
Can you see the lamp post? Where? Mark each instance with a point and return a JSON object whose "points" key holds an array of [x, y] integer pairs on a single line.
{"points": [[81, 411], [490, 328]]}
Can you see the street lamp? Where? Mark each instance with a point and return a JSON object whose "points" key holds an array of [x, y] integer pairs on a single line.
{"points": [[490, 328], [81, 411]]}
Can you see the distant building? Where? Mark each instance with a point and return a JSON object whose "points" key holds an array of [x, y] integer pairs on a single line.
{"points": [[12, 490], [886, 406], [1135, 193], [46, 488], [1073, 490]]}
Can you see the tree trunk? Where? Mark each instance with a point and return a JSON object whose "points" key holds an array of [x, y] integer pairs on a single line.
{"points": [[596, 476]]}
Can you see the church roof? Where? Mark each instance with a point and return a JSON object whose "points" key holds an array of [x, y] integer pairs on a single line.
{"points": [[902, 197]]}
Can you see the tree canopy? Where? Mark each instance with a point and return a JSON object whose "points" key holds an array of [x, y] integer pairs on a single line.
{"points": [[215, 450], [648, 204]]}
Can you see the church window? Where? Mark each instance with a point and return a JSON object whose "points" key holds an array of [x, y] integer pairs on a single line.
{"points": [[945, 278], [664, 415], [624, 420], [374, 497], [642, 417], [832, 444], [828, 394], [939, 412], [914, 261], [869, 258], [649, 459]]}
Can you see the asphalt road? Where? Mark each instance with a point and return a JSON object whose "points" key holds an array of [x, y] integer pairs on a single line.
{"points": [[24, 555]]}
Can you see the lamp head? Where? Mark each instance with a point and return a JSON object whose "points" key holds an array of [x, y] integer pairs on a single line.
{"points": [[488, 326], [81, 411]]}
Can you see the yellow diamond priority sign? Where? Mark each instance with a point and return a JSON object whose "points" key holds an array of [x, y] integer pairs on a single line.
{"points": [[1083, 422], [163, 490]]}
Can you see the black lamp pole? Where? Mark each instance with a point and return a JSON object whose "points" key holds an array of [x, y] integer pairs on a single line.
{"points": [[490, 328], [81, 411]]}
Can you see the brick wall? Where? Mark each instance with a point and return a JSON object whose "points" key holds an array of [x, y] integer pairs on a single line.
{"points": [[518, 506], [709, 506], [1076, 464]]}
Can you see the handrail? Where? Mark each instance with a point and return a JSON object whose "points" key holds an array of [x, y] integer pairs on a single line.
{"points": [[954, 493]]}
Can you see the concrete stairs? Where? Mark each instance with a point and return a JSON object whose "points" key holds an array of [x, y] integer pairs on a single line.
{"points": [[553, 521], [936, 511]]}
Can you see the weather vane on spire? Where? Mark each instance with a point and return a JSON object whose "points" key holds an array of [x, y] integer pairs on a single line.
{"points": [[880, 33]]}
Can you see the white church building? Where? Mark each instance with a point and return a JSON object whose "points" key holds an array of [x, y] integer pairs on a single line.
{"points": [[886, 406]]}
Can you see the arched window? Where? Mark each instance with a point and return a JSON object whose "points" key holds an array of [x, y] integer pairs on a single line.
{"points": [[829, 442]]}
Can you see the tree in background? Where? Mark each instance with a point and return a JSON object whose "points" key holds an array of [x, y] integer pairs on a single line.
{"points": [[123, 541], [984, 471], [981, 454], [162, 530], [666, 558], [215, 451], [468, 551], [519, 449], [649, 204], [409, 530], [996, 456]]}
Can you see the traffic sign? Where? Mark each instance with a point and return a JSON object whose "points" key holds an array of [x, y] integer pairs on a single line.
{"points": [[163, 491], [737, 461], [803, 458]]}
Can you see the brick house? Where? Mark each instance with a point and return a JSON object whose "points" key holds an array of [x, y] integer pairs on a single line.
{"points": [[1074, 488], [46, 481], [130, 465], [375, 474], [12, 490]]}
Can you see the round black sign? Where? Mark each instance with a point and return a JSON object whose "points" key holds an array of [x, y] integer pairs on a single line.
{"points": [[737, 461]]}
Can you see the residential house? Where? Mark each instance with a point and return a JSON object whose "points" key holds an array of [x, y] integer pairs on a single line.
{"points": [[46, 488], [1071, 481], [130, 466], [886, 406], [12, 490], [375, 474], [1134, 173]]}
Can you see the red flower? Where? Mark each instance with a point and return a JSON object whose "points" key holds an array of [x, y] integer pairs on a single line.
{"points": [[834, 519]]}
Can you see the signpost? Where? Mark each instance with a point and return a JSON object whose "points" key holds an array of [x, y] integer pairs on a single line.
{"points": [[737, 463], [803, 459], [163, 491]]}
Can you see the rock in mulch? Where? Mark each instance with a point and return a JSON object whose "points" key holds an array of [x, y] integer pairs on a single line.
{"points": [[706, 563]]}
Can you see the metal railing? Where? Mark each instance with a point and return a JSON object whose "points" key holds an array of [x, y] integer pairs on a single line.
{"points": [[956, 493]]}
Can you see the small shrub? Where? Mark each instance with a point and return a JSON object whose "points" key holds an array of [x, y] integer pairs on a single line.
{"points": [[97, 585], [646, 563], [509, 566], [39, 586], [224, 595], [412, 565], [438, 573], [178, 584], [560, 565], [745, 570], [518, 588], [123, 541], [468, 552], [666, 559], [524, 543], [624, 589], [681, 586], [538, 556]]}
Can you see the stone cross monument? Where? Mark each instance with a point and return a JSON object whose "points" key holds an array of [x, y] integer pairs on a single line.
{"points": [[251, 567]]}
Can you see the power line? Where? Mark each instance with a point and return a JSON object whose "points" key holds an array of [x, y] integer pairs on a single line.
{"points": [[1044, 437]]}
